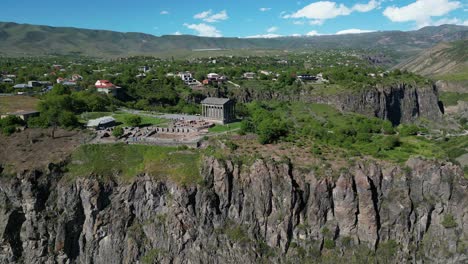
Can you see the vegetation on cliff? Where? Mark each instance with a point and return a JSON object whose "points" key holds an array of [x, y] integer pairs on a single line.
{"points": [[124, 162]]}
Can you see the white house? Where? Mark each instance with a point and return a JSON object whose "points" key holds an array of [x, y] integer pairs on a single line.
{"points": [[249, 75], [212, 76], [105, 86]]}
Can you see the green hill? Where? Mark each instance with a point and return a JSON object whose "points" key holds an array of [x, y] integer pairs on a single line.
{"points": [[33, 40]]}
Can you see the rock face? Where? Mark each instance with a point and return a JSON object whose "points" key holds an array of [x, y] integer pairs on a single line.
{"points": [[268, 210], [399, 103]]}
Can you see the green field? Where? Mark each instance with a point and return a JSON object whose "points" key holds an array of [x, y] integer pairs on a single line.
{"points": [[452, 98], [123, 162], [18, 103], [225, 128]]}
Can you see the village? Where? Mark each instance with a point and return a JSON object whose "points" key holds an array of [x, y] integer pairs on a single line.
{"points": [[194, 97]]}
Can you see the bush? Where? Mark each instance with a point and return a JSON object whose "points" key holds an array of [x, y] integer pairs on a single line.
{"points": [[387, 128], [329, 244], [68, 119], [133, 120], [8, 130], [270, 131], [37, 121], [118, 132], [390, 142], [449, 221], [409, 130]]}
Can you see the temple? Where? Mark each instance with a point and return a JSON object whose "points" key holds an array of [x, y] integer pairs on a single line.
{"points": [[219, 109]]}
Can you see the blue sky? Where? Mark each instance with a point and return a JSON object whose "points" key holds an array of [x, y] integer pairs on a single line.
{"points": [[240, 18]]}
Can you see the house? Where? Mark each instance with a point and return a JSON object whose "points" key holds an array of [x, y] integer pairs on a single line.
{"points": [[34, 83], [44, 83], [76, 77], [101, 123], [22, 86], [12, 76], [212, 76], [265, 72], [7, 80], [141, 75], [307, 77], [144, 68], [68, 83], [60, 80], [186, 77], [105, 86], [249, 75], [25, 115]]}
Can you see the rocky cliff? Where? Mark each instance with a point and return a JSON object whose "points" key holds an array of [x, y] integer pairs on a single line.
{"points": [[399, 103], [241, 213]]}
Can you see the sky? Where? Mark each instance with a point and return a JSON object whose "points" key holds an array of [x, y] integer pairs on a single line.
{"points": [[238, 18]]}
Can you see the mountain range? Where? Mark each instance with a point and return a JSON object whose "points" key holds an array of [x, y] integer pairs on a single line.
{"points": [[17, 40], [440, 60]]}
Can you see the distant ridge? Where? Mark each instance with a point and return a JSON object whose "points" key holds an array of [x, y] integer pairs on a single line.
{"points": [[34, 40], [442, 59]]}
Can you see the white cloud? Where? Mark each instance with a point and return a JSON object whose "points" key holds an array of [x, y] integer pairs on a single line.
{"points": [[315, 22], [319, 11], [265, 36], [421, 11], [298, 22], [353, 31], [203, 14], [164, 12], [313, 33], [272, 29], [177, 33], [264, 9], [208, 16], [204, 30], [373, 4], [454, 21]]}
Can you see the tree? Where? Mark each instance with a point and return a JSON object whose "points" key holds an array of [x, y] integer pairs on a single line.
{"points": [[133, 120], [57, 109]]}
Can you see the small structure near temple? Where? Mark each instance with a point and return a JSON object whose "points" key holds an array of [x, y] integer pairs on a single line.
{"points": [[218, 109]]}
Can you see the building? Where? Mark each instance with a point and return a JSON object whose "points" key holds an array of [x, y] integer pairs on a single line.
{"points": [[22, 86], [249, 75], [212, 76], [105, 86], [76, 77], [307, 77], [220, 109], [144, 68], [34, 84], [101, 123], [25, 115]]}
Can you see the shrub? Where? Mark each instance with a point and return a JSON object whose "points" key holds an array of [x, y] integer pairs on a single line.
{"points": [[387, 128], [118, 132], [270, 131], [329, 244], [449, 221], [409, 130], [133, 120], [8, 130], [390, 142]]}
